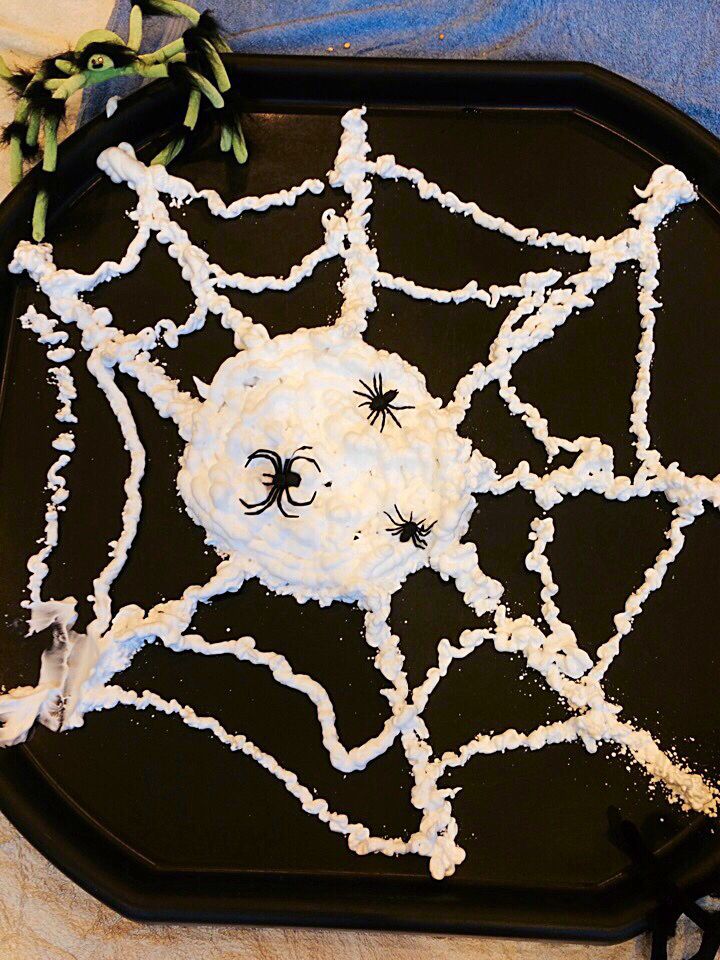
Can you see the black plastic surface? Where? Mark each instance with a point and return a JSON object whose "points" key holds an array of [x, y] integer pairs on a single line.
{"points": [[162, 822]]}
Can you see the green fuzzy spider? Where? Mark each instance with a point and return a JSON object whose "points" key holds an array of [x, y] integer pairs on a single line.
{"points": [[192, 62]]}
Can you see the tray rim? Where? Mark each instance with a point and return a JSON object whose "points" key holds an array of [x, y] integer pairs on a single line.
{"points": [[64, 836]]}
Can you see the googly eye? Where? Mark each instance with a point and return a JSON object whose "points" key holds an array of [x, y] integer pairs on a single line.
{"points": [[100, 61]]}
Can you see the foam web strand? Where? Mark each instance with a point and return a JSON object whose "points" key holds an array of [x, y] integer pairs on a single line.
{"points": [[45, 613]]}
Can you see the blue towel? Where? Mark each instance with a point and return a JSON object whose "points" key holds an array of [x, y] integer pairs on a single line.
{"points": [[671, 47]]}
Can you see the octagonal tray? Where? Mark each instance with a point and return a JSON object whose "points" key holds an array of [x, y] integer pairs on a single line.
{"points": [[162, 822]]}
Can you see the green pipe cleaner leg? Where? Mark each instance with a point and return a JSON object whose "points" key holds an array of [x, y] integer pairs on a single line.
{"points": [[165, 53], [225, 138], [50, 148], [169, 153], [193, 109], [135, 28], [218, 68], [33, 128], [16, 153], [154, 71], [66, 67], [42, 199], [174, 8], [239, 146], [16, 161], [204, 86], [40, 215], [63, 89]]}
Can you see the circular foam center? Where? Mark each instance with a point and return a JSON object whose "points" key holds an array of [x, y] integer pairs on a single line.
{"points": [[317, 395]]}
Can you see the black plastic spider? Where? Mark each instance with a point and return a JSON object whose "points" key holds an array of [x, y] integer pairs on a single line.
{"points": [[280, 482], [380, 403], [414, 530]]}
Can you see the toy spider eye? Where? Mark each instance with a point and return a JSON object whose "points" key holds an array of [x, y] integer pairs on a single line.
{"points": [[100, 61]]}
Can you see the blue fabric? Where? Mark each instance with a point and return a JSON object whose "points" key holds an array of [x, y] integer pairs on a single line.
{"points": [[671, 47]]}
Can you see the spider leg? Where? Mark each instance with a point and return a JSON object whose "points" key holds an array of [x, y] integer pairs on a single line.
{"points": [[253, 509], [376, 389], [380, 383], [270, 455], [42, 199], [135, 28], [175, 8], [193, 109], [222, 81], [370, 391], [401, 518], [259, 503], [290, 516], [204, 86], [238, 145], [16, 161], [225, 138], [286, 470], [372, 417], [33, 127], [16, 153], [163, 54], [365, 403], [389, 410], [394, 406], [299, 503], [66, 67], [361, 393], [168, 153], [293, 459]]}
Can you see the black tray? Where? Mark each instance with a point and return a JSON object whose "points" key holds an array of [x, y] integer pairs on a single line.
{"points": [[153, 818]]}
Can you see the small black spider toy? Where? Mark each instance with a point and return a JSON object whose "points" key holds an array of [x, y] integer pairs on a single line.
{"points": [[380, 403], [280, 482], [414, 530]]}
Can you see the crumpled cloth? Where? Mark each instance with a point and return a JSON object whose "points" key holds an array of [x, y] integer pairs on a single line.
{"points": [[670, 47], [45, 916]]}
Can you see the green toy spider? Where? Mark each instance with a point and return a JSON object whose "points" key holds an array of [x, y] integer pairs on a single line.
{"points": [[192, 62]]}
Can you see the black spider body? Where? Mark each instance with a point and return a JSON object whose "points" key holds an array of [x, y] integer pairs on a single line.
{"points": [[381, 402], [280, 482], [409, 530]]}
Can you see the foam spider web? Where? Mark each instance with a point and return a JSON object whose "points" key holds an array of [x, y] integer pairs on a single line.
{"points": [[76, 674]]}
